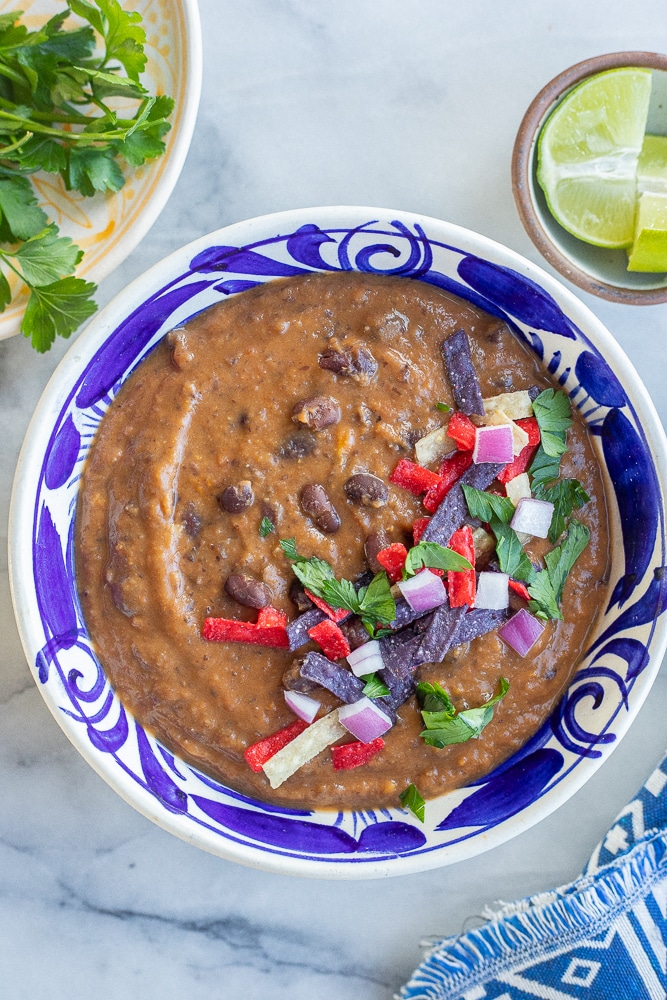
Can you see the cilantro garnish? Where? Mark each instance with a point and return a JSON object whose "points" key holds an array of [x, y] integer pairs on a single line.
{"points": [[443, 407], [566, 495], [512, 558], [552, 411], [373, 604], [434, 556], [265, 526], [411, 799], [487, 506], [49, 76], [546, 588], [444, 725], [374, 687]]}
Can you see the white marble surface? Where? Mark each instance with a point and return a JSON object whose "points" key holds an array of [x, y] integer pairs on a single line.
{"points": [[410, 105]]}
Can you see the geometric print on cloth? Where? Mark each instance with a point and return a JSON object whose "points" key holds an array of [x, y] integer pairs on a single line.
{"points": [[603, 937]]}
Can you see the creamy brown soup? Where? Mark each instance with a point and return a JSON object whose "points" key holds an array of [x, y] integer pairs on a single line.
{"points": [[211, 408]]}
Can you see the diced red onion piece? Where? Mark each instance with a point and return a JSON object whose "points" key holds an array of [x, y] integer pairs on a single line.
{"points": [[493, 443], [366, 659], [521, 632], [492, 591], [533, 517], [302, 705], [423, 591], [364, 720]]}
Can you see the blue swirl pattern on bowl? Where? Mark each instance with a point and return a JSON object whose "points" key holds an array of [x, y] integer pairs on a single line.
{"points": [[593, 712]]}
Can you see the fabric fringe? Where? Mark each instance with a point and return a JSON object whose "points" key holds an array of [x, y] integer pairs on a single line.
{"points": [[539, 923]]}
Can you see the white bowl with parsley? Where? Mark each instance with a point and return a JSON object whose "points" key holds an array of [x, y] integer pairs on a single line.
{"points": [[95, 127], [623, 655]]}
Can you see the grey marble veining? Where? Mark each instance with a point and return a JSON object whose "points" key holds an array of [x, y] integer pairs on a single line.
{"points": [[409, 105]]}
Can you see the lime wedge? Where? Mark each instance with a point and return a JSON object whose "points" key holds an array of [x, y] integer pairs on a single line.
{"points": [[588, 151], [649, 250], [652, 165]]}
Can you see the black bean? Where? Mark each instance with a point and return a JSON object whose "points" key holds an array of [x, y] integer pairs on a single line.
{"points": [[319, 508], [179, 352], [375, 542], [365, 365], [248, 591], [238, 497], [339, 362], [316, 412], [298, 596], [367, 489], [298, 445], [355, 633]]}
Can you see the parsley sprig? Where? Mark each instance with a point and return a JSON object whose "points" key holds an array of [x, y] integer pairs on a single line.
{"points": [[55, 116], [444, 724], [373, 604]]}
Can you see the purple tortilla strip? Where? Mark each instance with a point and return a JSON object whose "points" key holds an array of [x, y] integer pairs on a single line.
{"points": [[461, 372], [479, 621], [453, 511], [340, 681], [398, 652], [405, 615], [297, 629], [441, 635], [332, 676]]}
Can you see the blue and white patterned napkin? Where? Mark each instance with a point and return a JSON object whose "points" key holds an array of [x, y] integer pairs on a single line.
{"points": [[603, 937]]}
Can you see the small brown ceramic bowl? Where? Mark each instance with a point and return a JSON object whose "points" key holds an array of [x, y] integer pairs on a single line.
{"points": [[597, 270]]}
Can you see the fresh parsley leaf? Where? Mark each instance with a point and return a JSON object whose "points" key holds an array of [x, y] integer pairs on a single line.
{"points": [[560, 560], [373, 604], [546, 588], [552, 411], [57, 310], [21, 215], [265, 526], [487, 506], [373, 686], [447, 726], [566, 495], [512, 557], [544, 603], [433, 698], [435, 556], [53, 84], [544, 468], [412, 800], [443, 407], [92, 170], [376, 605], [288, 545], [47, 257]]}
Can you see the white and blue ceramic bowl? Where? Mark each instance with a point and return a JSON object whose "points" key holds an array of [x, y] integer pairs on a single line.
{"points": [[622, 659]]}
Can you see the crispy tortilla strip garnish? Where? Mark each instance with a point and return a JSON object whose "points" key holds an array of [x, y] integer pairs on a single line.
{"points": [[453, 511], [332, 676], [461, 372], [433, 446], [514, 405], [313, 740], [441, 635]]}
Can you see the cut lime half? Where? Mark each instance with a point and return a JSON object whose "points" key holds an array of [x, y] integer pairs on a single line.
{"points": [[588, 151]]}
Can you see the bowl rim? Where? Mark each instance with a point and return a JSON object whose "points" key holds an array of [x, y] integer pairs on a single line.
{"points": [[22, 514], [523, 154]]}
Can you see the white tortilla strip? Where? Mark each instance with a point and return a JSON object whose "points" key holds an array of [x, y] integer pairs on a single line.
{"points": [[514, 405], [308, 744], [433, 446], [518, 488]]}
